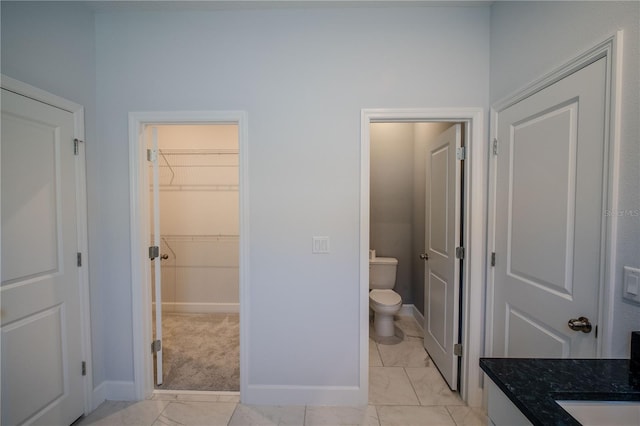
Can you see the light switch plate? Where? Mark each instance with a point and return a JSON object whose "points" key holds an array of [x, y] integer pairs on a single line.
{"points": [[320, 245], [631, 284]]}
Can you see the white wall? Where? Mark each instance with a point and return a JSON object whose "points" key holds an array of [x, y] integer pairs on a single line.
{"points": [[303, 77], [530, 39], [199, 213], [52, 47]]}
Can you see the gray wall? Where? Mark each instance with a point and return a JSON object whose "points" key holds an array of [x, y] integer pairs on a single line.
{"points": [[391, 199], [52, 47], [529, 40]]}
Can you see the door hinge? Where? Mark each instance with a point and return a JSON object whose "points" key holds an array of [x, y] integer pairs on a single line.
{"points": [[495, 146], [79, 259], [76, 146], [493, 259], [156, 346], [84, 368], [154, 251], [459, 252], [152, 155], [457, 349], [461, 153]]}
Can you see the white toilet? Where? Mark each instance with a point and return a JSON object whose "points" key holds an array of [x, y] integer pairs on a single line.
{"points": [[384, 302]]}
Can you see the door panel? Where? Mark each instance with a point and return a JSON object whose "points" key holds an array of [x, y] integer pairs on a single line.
{"points": [[549, 217], [41, 344], [442, 229]]}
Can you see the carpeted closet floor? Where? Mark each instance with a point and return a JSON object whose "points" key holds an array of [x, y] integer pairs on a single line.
{"points": [[201, 352]]}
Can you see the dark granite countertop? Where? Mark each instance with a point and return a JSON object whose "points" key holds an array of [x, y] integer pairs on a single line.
{"points": [[534, 385]]}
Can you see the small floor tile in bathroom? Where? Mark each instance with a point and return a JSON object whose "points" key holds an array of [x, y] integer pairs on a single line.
{"points": [[431, 388], [390, 385], [263, 415], [408, 353], [199, 413], [468, 416], [374, 355], [120, 413], [342, 416], [414, 416]]}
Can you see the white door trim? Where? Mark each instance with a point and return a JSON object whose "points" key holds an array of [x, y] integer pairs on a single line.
{"points": [[474, 224], [77, 110], [611, 50], [139, 208]]}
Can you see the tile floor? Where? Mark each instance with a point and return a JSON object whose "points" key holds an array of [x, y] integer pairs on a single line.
{"points": [[405, 389]]}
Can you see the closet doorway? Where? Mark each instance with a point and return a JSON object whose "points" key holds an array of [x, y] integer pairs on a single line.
{"points": [[188, 176], [194, 234]]}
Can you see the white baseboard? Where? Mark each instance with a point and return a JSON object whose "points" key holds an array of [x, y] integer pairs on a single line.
{"points": [[99, 396], [304, 395], [409, 310], [417, 315], [200, 308], [118, 390]]}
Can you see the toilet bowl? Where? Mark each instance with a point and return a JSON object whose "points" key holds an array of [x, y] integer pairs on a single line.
{"points": [[385, 304], [383, 301]]}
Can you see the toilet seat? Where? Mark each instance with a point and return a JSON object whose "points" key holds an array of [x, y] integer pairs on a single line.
{"points": [[385, 297]]}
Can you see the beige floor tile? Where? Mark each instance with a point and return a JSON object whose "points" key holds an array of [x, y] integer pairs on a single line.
{"points": [[408, 353], [468, 416], [414, 416], [342, 416], [263, 415], [390, 385], [203, 397], [163, 421], [409, 326], [431, 387], [199, 413], [119, 413], [374, 355]]}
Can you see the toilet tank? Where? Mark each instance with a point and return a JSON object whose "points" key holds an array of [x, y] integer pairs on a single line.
{"points": [[382, 272]]}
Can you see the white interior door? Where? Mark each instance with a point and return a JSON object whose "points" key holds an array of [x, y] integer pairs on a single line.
{"points": [[442, 234], [155, 259], [41, 338], [549, 214]]}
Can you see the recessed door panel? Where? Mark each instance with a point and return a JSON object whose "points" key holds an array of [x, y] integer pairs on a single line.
{"points": [[542, 199], [438, 206], [30, 198], [527, 337], [437, 309]]}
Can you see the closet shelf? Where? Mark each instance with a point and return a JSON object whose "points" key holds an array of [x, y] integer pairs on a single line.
{"points": [[203, 238]]}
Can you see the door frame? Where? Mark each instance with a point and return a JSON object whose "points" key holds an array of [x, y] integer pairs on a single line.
{"points": [[611, 50], [474, 224], [77, 110], [140, 224]]}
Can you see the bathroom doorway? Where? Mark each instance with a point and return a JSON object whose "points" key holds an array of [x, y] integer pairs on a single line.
{"points": [[416, 200], [188, 171], [193, 174], [388, 222]]}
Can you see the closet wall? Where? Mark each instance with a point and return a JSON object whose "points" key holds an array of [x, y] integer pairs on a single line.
{"points": [[199, 209]]}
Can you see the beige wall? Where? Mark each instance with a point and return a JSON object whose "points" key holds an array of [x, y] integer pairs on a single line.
{"points": [[199, 217]]}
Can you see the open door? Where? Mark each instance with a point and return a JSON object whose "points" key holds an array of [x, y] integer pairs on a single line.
{"points": [[154, 251], [442, 236]]}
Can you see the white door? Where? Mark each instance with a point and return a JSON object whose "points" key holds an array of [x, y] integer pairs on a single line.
{"points": [[442, 234], [41, 339], [549, 214], [155, 258]]}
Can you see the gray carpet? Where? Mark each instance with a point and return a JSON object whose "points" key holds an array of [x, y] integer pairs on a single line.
{"points": [[201, 352]]}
